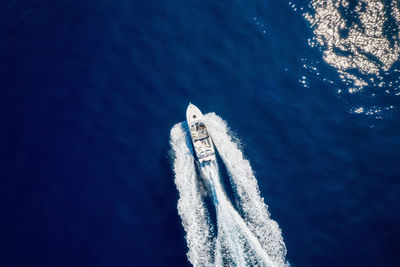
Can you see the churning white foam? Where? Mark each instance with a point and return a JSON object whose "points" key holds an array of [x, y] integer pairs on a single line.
{"points": [[250, 238], [253, 208], [191, 207]]}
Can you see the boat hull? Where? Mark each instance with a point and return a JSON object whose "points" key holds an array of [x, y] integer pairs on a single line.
{"points": [[201, 139]]}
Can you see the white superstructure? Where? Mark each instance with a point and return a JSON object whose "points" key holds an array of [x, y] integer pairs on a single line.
{"points": [[201, 139]]}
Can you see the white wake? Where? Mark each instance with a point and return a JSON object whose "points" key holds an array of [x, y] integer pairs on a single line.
{"points": [[250, 238]]}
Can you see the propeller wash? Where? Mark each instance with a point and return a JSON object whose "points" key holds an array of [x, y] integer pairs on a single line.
{"points": [[248, 237]]}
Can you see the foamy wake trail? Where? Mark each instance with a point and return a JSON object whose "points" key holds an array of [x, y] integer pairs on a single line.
{"points": [[238, 245], [252, 206], [191, 207], [249, 239]]}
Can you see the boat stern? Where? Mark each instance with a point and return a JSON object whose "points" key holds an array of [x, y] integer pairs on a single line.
{"points": [[207, 159]]}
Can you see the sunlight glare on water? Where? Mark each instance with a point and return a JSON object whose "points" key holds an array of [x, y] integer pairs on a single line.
{"points": [[360, 39]]}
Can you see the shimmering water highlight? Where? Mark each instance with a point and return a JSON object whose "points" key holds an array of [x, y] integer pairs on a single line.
{"points": [[358, 38]]}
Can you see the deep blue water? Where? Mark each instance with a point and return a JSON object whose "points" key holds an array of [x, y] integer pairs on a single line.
{"points": [[91, 89]]}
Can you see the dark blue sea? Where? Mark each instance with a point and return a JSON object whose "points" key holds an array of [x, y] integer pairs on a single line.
{"points": [[89, 93]]}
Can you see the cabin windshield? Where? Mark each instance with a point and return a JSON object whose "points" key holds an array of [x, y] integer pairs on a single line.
{"points": [[200, 126], [199, 131]]}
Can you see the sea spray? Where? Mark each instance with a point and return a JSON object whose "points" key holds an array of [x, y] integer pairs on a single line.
{"points": [[191, 206], [252, 206], [243, 247]]}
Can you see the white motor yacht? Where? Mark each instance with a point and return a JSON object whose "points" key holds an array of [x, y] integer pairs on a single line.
{"points": [[201, 139]]}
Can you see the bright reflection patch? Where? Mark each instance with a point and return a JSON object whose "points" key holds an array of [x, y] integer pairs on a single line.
{"points": [[361, 39]]}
